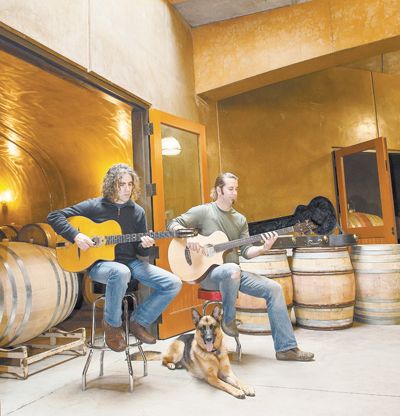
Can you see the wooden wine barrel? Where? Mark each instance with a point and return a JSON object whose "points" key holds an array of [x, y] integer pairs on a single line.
{"points": [[39, 233], [88, 291], [9, 232], [252, 312], [35, 293], [362, 219], [377, 273], [324, 288]]}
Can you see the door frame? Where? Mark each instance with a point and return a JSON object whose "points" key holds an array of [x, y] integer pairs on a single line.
{"points": [[157, 118], [176, 318], [369, 234]]}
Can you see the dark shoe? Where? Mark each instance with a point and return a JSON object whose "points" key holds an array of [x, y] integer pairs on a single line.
{"points": [[114, 337], [230, 328], [140, 333], [294, 355]]}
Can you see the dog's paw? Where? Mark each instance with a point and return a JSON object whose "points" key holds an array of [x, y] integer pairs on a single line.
{"points": [[248, 391], [171, 366], [239, 394]]}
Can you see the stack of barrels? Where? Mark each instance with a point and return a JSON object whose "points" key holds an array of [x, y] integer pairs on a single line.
{"points": [[38, 233], [328, 287], [362, 219], [377, 270], [9, 232], [324, 288], [36, 294]]}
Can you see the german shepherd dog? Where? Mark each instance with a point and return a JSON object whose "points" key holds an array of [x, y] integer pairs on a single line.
{"points": [[205, 356]]}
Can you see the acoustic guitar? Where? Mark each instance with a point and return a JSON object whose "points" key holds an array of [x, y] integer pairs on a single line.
{"points": [[106, 235], [192, 267]]}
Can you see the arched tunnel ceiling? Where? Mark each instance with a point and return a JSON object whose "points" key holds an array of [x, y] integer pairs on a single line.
{"points": [[56, 136], [55, 114]]}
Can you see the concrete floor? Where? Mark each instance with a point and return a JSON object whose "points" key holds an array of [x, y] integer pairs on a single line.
{"points": [[356, 372]]}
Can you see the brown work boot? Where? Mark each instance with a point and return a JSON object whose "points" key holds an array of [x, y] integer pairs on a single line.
{"points": [[114, 337], [294, 354], [140, 333], [230, 328]]}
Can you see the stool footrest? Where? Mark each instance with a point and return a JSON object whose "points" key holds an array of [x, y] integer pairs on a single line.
{"points": [[101, 346], [209, 295]]}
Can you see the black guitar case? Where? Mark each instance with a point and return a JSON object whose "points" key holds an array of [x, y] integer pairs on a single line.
{"points": [[320, 211]]}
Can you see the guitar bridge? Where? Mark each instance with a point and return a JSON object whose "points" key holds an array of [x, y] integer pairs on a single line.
{"points": [[188, 256]]}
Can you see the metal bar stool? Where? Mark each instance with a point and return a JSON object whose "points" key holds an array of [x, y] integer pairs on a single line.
{"points": [[213, 297], [100, 343]]}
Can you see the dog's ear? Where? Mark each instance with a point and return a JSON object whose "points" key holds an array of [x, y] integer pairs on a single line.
{"points": [[217, 313], [195, 316]]}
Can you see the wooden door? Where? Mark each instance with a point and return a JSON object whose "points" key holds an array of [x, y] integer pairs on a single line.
{"points": [[179, 170], [365, 192]]}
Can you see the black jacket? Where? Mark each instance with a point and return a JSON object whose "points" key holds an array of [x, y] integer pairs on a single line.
{"points": [[131, 217]]}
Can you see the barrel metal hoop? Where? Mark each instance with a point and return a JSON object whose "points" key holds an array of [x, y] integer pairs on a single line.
{"points": [[44, 234], [2, 305], [13, 228], [334, 305], [377, 271], [318, 273], [377, 310], [377, 320], [13, 285], [366, 300], [74, 291], [259, 310], [377, 259], [54, 318], [268, 275], [325, 325], [250, 331], [28, 292], [312, 250]]}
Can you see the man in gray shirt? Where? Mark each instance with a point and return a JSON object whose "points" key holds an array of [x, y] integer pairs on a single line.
{"points": [[228, 278]]}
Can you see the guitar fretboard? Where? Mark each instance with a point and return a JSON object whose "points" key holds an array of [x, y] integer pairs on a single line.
{"points": [[248, 240], [132, 238]]}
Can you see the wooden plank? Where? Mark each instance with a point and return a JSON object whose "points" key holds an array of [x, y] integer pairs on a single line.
{"points": [[26, 357]]}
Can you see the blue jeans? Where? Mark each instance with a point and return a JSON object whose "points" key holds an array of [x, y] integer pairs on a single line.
{"points": [[116, 277], [229, 279]]}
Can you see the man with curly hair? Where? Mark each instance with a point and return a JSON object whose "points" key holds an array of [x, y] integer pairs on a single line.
{"points": [[120, 189]]}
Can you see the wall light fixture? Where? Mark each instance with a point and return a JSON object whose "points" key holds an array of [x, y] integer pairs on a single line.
{"points": [[170, 146]]}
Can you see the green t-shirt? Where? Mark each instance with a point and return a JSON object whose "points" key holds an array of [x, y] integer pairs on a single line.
{"points": [[208, 218]]}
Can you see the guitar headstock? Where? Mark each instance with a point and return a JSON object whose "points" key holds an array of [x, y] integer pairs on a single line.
{"points": [[186, 232], [304, 227]]}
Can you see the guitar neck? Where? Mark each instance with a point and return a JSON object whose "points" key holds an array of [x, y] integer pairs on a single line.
{"points": [[133, 238], [248, 240]]}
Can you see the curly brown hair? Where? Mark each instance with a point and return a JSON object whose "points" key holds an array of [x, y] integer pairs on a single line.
{"points": [[110, 182]]}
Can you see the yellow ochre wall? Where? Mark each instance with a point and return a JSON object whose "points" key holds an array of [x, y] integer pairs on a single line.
{"points": [[237, 55], [279, 139]]}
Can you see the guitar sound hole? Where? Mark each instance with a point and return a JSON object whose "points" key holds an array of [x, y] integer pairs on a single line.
{"points": [[188, 256]]}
